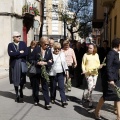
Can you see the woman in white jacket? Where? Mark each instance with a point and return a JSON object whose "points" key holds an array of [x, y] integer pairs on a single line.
{"points": [[58, 71]]}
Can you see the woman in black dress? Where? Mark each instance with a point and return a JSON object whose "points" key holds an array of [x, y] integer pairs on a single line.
{"points": [[111, 79]]}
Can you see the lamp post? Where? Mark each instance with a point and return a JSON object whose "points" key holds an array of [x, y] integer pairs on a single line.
{"points": [[64, 30], [47, 29], [42, 18]]}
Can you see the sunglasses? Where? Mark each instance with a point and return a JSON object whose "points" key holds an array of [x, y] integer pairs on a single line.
{"points": [[46, 44], [17, 36], [57, 49]]}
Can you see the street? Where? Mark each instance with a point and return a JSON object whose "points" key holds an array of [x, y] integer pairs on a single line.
{"points": [[10, 110]]}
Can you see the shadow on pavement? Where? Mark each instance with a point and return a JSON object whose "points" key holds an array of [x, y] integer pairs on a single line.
{"points": [[85, 113], [85, 105], [74, 99], [27, 99]]}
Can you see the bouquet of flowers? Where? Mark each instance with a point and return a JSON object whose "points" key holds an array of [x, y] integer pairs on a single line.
{"points": [[44, 73], [117, 89]]}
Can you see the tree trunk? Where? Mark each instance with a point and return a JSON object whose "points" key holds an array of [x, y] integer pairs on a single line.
{"points": [[72, 36], [64, 30]]}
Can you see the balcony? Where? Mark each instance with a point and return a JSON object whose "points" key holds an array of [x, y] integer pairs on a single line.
{"points": [[29, 11], [107, 3]]}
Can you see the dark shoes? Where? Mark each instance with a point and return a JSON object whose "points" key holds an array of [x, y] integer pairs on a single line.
{"points": [[47, 107], [36, 103], [90, 104], [17, 99], [53, 101], [64, 104]]}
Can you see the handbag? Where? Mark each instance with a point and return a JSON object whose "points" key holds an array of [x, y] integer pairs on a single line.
{"points": [[31, 71], [24, 67]]}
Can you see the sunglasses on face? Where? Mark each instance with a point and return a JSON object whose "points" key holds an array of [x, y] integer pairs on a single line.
{"points": [[17, 36], [56, 48], [46, 44]]}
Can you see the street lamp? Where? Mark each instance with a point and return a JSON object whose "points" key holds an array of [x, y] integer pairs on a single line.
{"points": [[42, 18], [47, 29]]}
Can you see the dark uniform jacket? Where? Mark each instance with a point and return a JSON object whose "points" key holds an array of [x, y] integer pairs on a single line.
{"points": [[112, 74], [14, 53], [47, 57]]}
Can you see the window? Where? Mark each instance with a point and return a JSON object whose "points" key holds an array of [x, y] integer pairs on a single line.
{"points": [[54, 18], [54, 6]]}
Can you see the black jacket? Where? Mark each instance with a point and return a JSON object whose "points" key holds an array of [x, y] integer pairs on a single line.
{"points": [[113, 65], [30, 54], [47, 57]]}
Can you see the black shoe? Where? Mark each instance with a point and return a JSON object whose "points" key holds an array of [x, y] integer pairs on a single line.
{"points": [[36, 103], [64, 104], [47, 107], [53, 101], [22, 100], [17, 99], [90, 105]]}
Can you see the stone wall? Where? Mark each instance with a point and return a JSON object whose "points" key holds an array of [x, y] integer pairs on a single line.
{"points": [[8, 24]]}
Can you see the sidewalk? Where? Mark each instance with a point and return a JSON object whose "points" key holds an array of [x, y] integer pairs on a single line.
{"points": [[4, 72]]}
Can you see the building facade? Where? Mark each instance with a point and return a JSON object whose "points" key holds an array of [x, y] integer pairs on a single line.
{"points": [[97, 22], [53, 27], [16, 15], [110, 26]]}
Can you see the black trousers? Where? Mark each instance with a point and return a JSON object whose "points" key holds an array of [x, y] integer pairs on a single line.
{"points": [[35, 88], [51, 87]]}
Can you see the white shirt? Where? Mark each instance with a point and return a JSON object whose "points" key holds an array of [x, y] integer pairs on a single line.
{"points": [[57, 63]]}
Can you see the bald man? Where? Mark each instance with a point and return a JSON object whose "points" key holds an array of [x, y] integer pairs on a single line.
{"points": [[51, 43]]}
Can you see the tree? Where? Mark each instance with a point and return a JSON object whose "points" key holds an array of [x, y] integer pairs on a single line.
{"points": [[76, 15], [85, 30]]}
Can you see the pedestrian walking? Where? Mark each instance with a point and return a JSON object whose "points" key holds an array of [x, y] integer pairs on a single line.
{"points": [[90, 66], [57, 72], [51, 44], [43, 60], [71, 61], [17, 50], [30, 56], [79, 52], [111, 79]]}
